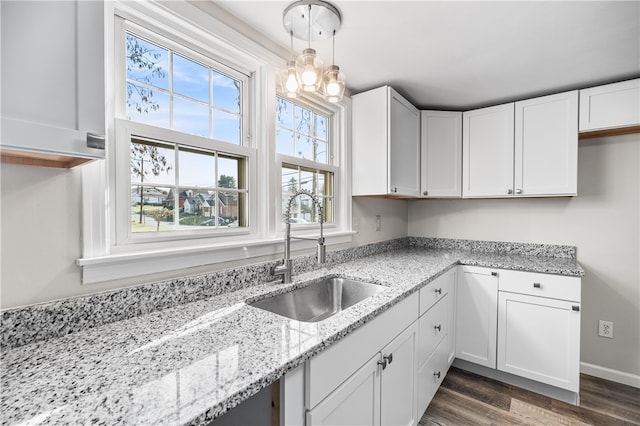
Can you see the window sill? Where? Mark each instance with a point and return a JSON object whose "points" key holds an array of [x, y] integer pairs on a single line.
{"points": [[126, 265]]}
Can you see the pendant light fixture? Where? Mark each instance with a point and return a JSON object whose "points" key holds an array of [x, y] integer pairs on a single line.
{"points": [[289, 79], [333, 78], [313, 20]]}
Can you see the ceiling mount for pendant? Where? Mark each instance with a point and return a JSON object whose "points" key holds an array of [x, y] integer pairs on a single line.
{"points": [[326, 19]]}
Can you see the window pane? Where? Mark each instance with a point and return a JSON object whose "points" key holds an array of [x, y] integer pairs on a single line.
{"points": [[304, 147], [146, 105], [321, 127], [232, 208], [190, 117], [226, 93], [150, 209], [152, 163], [147, 62], [197, 168], [284, 141], [284, 113], [190, 79], [303, 120], [290, 182], [229, 168], [197, 207], [226, 127], [307, 181], [321, 152]]}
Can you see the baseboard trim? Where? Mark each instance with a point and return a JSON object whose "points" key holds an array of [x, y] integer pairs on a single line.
{"points": [[610, 374]]}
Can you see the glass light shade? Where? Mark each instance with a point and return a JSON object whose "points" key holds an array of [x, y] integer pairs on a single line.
{"points": [[333, 84], [309, 67], [289, 80]]}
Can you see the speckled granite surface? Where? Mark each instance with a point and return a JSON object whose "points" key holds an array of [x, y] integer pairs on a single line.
{"points": [[189, 363]]}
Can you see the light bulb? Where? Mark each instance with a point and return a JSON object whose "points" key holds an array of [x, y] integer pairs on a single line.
{"points": [[333, 84], [310, 70], [292, 81]]}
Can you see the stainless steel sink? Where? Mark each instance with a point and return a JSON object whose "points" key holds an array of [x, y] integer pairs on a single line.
{"points": [[319, 300]]}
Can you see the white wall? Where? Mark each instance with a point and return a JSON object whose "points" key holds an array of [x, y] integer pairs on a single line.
{"points": [[603, 222], [40, 232]]}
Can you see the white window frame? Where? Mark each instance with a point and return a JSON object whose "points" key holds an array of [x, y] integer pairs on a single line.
{"points": [[333, 165], [102, 259]]}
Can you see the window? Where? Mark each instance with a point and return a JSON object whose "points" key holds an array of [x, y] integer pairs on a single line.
{"points": [[195, 173], [181, 129], [304, 144]]}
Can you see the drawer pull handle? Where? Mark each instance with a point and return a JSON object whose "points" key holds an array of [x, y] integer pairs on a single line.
{"points": [[438, 327], [575, 308], [388, 358], [536, 285], [438, 291], [383, 363], [436, 374], [494, 274]]}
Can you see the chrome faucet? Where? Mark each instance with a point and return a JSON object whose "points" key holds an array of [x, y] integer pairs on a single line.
{"points": [[285, 268]]}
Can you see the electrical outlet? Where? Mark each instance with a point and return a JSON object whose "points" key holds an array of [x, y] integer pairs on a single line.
{"points": [[378, 222], [605, 329]]}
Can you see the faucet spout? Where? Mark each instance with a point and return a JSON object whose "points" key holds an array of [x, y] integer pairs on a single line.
{"points": [[285, 268]]}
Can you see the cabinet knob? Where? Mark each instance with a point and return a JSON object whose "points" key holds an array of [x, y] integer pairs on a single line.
{"points": [[388, 358], [436, 374], [494, 274], [425, 192], [438, 327], [383, 363], [509, 191], [536, 285], [575, 308], [518, 191], [395, 189], [438, 291]]}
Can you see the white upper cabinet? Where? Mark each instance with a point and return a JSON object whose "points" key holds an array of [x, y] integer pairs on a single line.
{"points": [[610, 106], [386, 144], [487, 145], [546, 145], [522, 149], [441, 154], [53, 80]]}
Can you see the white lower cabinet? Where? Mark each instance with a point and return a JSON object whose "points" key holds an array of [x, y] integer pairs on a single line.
{"points": [[477, 315], [381, 392], [538, 333], [355, 402], [368, 378]]}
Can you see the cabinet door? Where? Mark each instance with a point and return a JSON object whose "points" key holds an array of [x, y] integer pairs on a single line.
{"points": [[477, 316], [539, 338], [487, 143], [610, 106], [53, 84], [355, 402], [546, 145], [404, 146], [441, 154], [398, 380]]}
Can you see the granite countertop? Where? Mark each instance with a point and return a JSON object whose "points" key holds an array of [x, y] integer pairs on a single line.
{"points": [[190, 363]]}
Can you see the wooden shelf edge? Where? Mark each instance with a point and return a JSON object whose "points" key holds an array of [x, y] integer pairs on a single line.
{"points": [[24, 158], [609, 132]]}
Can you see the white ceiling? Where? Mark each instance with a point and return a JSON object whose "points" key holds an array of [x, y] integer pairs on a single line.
{"points": [[462, 55]]}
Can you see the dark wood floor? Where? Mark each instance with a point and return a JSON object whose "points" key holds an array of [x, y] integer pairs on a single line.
{"points": [[468, 399]]}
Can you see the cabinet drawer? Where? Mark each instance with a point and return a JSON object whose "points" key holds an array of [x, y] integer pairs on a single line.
{"points": [[431, 375], [543, 285], [327, 370], [436, 290], [434, 325]]}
